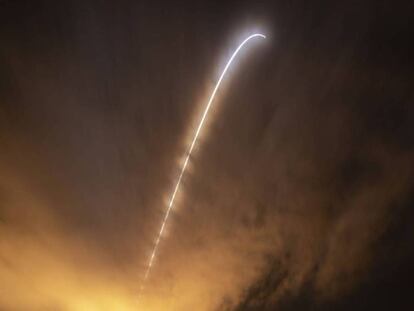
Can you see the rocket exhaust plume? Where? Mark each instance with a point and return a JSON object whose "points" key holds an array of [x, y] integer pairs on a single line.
{"points": [[191, 147]]}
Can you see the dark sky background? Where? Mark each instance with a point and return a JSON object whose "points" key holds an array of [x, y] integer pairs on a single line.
{"points": [[300, 192]]}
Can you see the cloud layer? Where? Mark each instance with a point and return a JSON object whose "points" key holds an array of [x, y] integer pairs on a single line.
{"points": [[305, 165]]}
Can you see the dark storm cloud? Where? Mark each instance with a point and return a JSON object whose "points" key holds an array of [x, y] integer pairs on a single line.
{"points": [[296, 195]]}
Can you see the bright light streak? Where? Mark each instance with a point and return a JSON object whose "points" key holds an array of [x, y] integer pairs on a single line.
{"points": [[200, 126]]}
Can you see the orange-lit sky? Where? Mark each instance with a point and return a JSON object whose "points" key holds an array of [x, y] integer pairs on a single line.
{"points": [[298, 195]]}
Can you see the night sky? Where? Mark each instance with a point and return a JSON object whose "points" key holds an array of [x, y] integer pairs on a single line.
{"points": [[299, 194]]}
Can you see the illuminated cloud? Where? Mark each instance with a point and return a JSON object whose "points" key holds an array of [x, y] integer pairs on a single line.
{"points": [[298, 194]]}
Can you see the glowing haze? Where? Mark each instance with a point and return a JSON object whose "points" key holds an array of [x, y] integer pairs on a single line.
{"points": [[190, 150], [302, 195]]}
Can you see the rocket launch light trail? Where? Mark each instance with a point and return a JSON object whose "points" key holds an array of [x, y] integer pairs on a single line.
{"points": [[193, 142]]}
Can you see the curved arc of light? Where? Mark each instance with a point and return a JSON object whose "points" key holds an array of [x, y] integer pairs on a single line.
{"points": [[177, 185]]}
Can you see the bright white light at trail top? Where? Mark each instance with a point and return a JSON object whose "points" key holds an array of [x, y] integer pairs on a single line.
{"points": [[193, 142]]}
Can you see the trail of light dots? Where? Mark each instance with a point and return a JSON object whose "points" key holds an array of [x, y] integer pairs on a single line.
{"points": [[193, 142]]}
